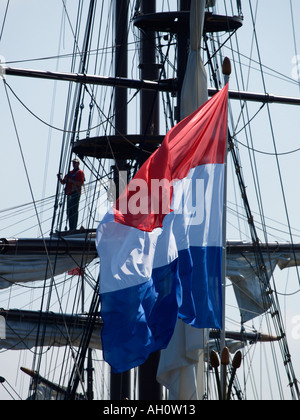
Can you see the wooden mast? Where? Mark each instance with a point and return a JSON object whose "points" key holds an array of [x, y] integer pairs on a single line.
{"points": [[149, 388], [120, 383]]}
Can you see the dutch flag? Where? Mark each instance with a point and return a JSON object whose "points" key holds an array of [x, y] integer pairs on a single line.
{"points": [[160, 246]]}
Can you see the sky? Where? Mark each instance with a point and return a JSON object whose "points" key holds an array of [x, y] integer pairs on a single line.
{"points": [[35, 29]]}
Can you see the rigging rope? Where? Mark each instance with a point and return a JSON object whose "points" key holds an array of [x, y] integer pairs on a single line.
{"points": [[294, 34], [4, 19], [49, 264], [274, 144], [65, 156], [93, 96], [262, 152], [4, 381], [261, 271]]}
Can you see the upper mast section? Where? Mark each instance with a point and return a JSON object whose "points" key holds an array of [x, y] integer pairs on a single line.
{"points": [[178, 23]]}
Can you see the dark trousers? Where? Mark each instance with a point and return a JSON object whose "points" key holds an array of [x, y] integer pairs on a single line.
{"points": [[72, 210]]}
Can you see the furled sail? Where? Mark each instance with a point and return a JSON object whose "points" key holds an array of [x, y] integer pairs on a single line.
{"points": [[44, 390], [250, 291], [56, 330], [27, 260], [66, 330]]}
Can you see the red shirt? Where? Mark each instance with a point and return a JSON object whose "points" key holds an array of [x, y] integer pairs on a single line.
{"points": [[74, 180]]}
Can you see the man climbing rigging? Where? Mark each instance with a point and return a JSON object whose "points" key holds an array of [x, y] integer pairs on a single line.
{"points": [[74, 182]]}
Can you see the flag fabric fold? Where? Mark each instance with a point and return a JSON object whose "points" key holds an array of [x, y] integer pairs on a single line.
{"points": [[160, 246]]}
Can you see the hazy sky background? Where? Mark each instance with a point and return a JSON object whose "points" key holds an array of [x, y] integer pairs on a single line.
{"points": [[32, 30]]}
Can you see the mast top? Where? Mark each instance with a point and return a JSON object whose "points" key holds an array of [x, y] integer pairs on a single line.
{"points": [[226, 67], [178, 22]]}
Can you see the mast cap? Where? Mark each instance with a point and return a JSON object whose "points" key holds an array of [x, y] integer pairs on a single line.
{"points": [[226, 67]]}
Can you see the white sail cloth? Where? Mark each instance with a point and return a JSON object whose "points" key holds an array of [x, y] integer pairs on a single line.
{"points": [[44, 393], [250, 292], [23, 269], [22, 330], [23, 261]]}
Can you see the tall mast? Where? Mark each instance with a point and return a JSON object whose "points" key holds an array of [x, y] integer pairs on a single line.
{"points": [[226, 72], [182, 37], [149, 388], [149, 71], [120, 383]]}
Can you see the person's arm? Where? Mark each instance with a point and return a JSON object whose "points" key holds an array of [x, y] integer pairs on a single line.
{"points": [[62, 181]]}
